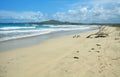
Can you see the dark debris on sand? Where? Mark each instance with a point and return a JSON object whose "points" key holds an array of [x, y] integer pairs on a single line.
{"points": [[76, 36], [75, 57]]}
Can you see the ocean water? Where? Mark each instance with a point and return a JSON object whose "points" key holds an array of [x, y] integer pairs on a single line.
{"points": [[15, 31], [13, 36]]}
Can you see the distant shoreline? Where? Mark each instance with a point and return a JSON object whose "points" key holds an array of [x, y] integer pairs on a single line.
{"points": [[56, 22]]}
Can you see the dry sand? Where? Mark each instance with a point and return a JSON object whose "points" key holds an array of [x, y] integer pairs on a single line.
{"points": [[66, 57]]}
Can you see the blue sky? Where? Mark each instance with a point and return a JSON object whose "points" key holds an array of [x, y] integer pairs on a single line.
{"points": [[86, 11], [45, 6]]}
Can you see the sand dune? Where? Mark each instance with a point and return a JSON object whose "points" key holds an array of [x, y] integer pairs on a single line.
{"points": [[68, 56]]}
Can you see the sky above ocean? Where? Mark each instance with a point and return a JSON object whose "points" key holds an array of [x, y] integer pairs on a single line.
{"points": [[83, 11]]}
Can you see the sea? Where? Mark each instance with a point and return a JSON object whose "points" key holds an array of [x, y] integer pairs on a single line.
{"points": [[17, 35], [16, 31]]}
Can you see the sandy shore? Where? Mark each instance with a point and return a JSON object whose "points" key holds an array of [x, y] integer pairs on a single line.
{"points": [[67, 56]]}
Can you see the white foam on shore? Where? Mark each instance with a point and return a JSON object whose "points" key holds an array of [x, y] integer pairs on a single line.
{"points": [[14, 28], [18, 37], [66, 26], [43, 30], [40, 31]]}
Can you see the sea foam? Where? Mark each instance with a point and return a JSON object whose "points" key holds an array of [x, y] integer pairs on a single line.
{"points": [[18, 31]]}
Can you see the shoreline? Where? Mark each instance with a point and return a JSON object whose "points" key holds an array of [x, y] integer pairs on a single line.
{"points": [[34, 40], [2, 39], [66, 56]]}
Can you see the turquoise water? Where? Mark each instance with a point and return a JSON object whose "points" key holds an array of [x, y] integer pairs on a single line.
{"points": [[15, 31]]}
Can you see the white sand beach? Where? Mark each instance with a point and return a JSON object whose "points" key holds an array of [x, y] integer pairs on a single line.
{"points": [[67, 56]]}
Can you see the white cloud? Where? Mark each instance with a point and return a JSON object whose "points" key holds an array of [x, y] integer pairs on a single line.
{"points": [[72, 11], [105, 12], [21, 16]]}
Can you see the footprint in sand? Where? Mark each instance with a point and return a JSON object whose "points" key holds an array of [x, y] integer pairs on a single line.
{"points": [[3, 70], [75, 57], [66, 70], [117, 58], [77, 51], [98, 45], [98, 51], [101, 67], [116, 38], [89, 51], [10, 61], [99, 58], [93, 49]]}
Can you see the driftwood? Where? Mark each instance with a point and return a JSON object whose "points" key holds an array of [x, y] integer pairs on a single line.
{"points": [[97, 35], [100, 33]]}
